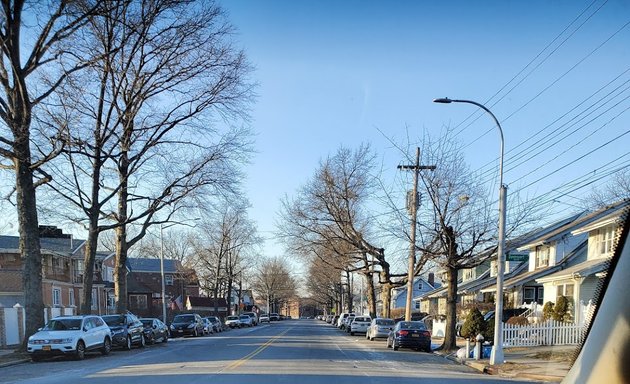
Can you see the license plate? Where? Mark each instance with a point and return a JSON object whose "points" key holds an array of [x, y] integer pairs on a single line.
{"points": [[415, 335], [46, 348]]}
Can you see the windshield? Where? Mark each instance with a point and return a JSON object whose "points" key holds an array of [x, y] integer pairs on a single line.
{"points": [[63, 325], [147, 323], [412, 325], [385, 322], [184, 319], [232, 318], [114, 320]]}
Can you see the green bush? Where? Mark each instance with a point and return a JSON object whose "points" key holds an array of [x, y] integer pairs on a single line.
{"points": [[488, 333], [473, 325], [547, 311], [561, 308]]}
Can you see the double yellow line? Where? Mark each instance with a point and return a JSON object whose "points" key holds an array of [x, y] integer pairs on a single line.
{"points": [[243, 360]]}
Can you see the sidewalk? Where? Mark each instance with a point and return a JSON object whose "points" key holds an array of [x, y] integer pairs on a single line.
{"points": [[10, 357], [543, 363]]}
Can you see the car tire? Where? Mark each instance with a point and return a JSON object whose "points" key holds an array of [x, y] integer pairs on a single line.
{"points": [[394, 346], [107, 347], [351, 333], [196, 333], [143, 341], [165, 338], [128, 345], [371, 338], [79, 354], [151, 338]]}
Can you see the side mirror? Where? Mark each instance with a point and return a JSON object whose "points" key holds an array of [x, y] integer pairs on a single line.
{"points": [[39, 329], [85, 329]]}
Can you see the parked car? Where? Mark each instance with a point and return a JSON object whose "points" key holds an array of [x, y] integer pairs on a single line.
{"points": [[254, 317], [410, 334], [379, 327], [73, 335], [360, 324], [232, 322], [154, 330], [274, 317], [246, 321], [217, 326], [345, 322], [127, 330], [189, 324], [334, 320], [263, 318], [208, 329]]}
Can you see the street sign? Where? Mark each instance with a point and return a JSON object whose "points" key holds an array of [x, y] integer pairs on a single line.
{"points": [[517, 257]]}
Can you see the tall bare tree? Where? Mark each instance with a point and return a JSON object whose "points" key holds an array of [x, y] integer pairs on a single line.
{"points": [[274, 280], [33, 66], [330, 213]]}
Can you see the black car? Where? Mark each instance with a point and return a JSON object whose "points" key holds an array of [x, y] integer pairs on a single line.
{"points": [[187, 325], [154, 330], [127, 330], [410, 334]]}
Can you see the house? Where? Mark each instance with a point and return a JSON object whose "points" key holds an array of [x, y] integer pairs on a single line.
{"points": [[144, 285], [579, 281], [421, 285], [241, 300], [544, 251], [62, 273]]}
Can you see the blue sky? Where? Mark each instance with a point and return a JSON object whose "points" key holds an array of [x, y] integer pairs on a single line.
{"points": [[336, 73]]}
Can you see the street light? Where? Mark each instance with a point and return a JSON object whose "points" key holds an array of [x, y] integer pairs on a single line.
{"points": [[162, 263], [496, 357]]}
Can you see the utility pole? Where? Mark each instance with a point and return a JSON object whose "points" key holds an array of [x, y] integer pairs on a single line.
{"points": [[414, 214]]}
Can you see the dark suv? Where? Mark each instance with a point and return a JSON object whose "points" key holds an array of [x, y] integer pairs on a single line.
{"points": [[126, 329], [190, 324]]}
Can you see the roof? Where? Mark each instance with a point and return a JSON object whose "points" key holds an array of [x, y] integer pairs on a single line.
{"points": [[551, 232], [584, 269], [66, 246], [153, 265], [522, 278], [584, 219], [403, 289]]}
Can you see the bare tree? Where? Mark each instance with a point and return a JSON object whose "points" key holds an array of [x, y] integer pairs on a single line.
{"points": [[225, 247], [33, 66], [329, 213], [617, 189], [274, 280]]}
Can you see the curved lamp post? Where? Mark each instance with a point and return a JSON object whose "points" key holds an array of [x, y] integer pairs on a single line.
{"points": [[496, 356]]}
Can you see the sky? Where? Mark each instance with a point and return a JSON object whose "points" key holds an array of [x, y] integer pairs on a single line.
{"points": [[342, 73], [337, 74]]}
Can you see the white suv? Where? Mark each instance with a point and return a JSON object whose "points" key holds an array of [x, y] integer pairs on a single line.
{"points": [[72, 335]]}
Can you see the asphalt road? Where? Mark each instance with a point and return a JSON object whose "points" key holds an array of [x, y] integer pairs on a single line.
{"points": [[294, 351]]}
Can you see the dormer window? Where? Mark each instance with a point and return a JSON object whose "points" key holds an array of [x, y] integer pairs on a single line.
{"points": [[542, 256], [605, 237]]}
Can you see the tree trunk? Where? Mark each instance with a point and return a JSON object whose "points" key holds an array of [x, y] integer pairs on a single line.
{"points": [[349, 297], [370, 294], [386, 294], [120, 268], [29, 244], [89, 258], [451, 310]]}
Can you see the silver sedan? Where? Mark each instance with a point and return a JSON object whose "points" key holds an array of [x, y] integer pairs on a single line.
{"points": [[380, 327]]}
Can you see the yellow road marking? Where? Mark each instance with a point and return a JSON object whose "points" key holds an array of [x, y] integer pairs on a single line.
{"points": [[242, 360]]}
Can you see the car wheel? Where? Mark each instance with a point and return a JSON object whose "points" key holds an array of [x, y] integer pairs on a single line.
{"points": [[80, 352], [165, 338], [196, 333], [128, 345], [351, 333], [107, 346], [151, 338], [143, 341], [371, 338], [394, 346]]}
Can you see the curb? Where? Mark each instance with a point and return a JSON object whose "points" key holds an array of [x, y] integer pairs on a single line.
{"points": [[14, 362]]}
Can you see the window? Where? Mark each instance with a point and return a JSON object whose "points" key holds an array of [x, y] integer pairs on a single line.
{"points": [[71, 297], [138, 301], [56, 297], [420, 285], [168, 279], [417, 304], [541, 296], [605, 237], [529, 295], [542, 256]]}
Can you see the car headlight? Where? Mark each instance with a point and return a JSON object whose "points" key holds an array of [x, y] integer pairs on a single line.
{"points": [[118, 331], [191, 326], [172, 327]]}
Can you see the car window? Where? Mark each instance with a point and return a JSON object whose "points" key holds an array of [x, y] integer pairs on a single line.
{"points": [[384, 322], [114, 320], [184, 319], [63, 325]]}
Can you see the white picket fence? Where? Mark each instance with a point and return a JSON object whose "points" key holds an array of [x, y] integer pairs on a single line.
{"points": [[550, 332]]}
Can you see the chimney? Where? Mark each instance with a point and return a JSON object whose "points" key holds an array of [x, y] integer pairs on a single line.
{"points": [[432, 279]]}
